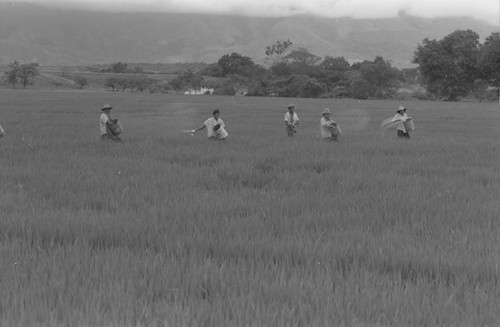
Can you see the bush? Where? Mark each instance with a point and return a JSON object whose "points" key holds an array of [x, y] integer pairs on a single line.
{"points": [[111, 83], [81, 81], [312, 89], [159, 87], [421, 95], [225, 89], [360, 89], [339, 92]]}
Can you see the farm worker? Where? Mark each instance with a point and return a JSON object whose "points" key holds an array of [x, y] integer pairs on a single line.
{"points": [[110, 128], [401, 117], [215, 127], [330, 130], [291, 120], [2, 132]]}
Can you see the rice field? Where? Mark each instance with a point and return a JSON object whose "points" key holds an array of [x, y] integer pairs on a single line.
{"points": [[166, 229]]}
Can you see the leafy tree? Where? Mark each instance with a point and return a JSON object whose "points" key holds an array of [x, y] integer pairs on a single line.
{"points": [[480, 89], [11, 75], [177, 83], [122, 84], [380, 76], [116, 83], [159, 87], [27, 73], [360, 89], [140, 83], [213, 70], [187, 80], [236, 63], [449, 67], [302, 56], [312, 89], [292, 86], [22, 73], [119, 67], [111, 82], [259, 88], [489, 60], [463, 48], [281, 70], [336, 64], [81, 81], [225, 88], [309, 70], [276, 51], [411, 75], [434, 65]]}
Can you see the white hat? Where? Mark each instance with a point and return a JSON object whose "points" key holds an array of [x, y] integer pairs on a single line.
{"points": [[400, 108], [326, 111]]}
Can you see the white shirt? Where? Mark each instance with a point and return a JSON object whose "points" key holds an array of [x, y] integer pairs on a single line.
{"points": [[293, 119], [210, 123], [402, 118], [104, 119], [323, 125]]}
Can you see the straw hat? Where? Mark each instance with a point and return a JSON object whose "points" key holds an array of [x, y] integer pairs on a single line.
{"points": [[291, 106], [106, 106], [326, 111], [401, 108]]}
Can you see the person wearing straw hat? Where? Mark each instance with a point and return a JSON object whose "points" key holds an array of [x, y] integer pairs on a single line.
{"points": [[110, 128], [291, 120], [215, 127], [330, 129], [401, 117]]}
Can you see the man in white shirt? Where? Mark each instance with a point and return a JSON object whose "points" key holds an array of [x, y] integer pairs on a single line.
{"points": [[215, 127], [291, 120], [106, 124], [329, 128]]}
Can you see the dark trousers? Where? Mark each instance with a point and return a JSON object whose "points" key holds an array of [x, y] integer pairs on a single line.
{"points": [[403, 135]]}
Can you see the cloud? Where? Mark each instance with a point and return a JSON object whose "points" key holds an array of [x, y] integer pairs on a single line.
{"points": [[481, 9], [487, 10]]}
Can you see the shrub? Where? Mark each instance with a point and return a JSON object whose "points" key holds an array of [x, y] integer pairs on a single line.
{"points": [[225, 89], [420, 95], [159, 87]]}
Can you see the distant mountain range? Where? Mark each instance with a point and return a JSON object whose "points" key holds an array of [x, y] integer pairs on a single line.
{"points": [[55, 36]]}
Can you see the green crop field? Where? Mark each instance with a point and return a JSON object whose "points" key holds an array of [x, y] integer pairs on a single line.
{"points": [[166, 229]]}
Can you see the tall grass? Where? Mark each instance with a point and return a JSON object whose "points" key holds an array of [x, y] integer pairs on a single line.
{"points": [[166, 229]]}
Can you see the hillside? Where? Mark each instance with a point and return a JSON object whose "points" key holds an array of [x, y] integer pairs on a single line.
{"points": [[78, 37]]}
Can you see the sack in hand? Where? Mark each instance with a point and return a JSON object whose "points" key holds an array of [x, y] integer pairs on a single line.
{"points": [[409, 125], [116, 127], [336, 131]]}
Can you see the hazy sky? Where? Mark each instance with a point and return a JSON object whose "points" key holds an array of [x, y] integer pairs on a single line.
{"points": [[487, 10]]}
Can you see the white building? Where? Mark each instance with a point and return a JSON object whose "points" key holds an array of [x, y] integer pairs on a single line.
{"points": [[203, 90]]}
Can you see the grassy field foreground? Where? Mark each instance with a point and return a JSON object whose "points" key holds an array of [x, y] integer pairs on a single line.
{"points": [[166, 229]]}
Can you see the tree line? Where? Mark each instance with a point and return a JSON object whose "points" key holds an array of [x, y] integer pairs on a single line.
{"points": [[454, 67]]}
